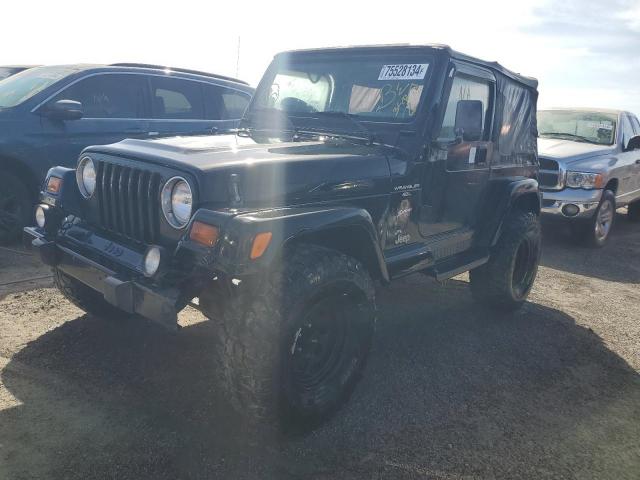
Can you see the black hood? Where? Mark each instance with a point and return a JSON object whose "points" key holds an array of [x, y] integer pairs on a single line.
{"points": [[269, 174]]}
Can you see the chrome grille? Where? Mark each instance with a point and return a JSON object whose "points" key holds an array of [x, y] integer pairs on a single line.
{"points": [[128, 201], [550, 175]]}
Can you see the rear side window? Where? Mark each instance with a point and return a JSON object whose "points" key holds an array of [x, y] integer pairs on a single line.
{"points": [[235, 103], [224, 103], [173, 98], [108, 96]]}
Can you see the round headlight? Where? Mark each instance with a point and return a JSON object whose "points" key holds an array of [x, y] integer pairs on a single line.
{"points": [[177, 202], [151, 261], [86, 177]]}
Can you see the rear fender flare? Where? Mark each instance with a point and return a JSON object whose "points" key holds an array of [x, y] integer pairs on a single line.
{"points": [[504, 196]]}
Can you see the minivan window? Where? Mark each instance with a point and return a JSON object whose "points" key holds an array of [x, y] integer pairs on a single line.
{"points": [[108, 96], [224, 103], [24, 85], [212, 102], [235, 103], [176, 98]]}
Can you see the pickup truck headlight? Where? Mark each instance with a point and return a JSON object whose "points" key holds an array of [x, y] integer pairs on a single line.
{"points": [[86, 177], [584, 180], [177, 202]]}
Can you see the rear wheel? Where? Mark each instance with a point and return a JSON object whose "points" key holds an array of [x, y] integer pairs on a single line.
{"points": [[504, 282], [292, 349], [84, 297], [15, 207]]}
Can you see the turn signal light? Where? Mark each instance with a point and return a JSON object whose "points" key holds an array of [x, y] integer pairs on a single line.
{"points": [[204, 234], [260, 244], [54, 184]]}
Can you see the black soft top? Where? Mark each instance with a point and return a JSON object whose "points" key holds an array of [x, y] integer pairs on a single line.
{"points": [[430, 48]]}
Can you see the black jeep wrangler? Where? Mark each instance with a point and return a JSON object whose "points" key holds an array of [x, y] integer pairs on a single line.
{"points": [[352, 167]]}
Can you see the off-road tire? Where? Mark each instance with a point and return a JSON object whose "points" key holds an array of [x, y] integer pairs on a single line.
{"points": [[86, 298], [16, 207], [261, 338], [585, 231], [633, 211], [504, 282]]}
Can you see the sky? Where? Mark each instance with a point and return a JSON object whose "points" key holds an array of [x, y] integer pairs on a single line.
{"points": [[583, 52]]}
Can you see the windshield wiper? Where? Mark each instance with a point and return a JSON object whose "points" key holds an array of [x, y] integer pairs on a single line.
{"points": [[563, 134], [347, 116]]}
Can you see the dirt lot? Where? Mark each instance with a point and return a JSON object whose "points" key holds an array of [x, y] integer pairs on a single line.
{"points": [[450, 392]]}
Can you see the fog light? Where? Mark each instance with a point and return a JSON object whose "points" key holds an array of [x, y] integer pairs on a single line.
{"points": [[151, 261], [570, 210], [41, 217]]}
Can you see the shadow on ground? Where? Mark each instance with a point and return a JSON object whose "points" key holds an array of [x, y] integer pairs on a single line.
{"points": [[617, 261], [450, 392]]}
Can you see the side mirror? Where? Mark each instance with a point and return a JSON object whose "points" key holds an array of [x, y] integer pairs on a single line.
{"points": [[469, 120], [633, 143], [63, 110]]}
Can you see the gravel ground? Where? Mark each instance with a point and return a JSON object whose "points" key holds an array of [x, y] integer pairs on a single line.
{"points": [[451, 391]]}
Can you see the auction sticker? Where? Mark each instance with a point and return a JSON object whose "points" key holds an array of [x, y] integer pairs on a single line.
{"points": [[404, 71]]}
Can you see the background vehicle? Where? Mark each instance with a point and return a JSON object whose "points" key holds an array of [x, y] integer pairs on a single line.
{"points": [[590, 165], [49, 114], [352, 166], [8, 70]]}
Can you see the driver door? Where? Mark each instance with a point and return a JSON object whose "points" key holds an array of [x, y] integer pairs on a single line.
{"points": [[457, 176]]}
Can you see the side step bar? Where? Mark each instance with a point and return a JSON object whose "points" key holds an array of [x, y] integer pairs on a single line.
{"points": [[457, 265]]}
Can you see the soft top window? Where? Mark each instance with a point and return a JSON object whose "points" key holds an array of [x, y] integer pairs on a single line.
{"points": [[383, 87]]}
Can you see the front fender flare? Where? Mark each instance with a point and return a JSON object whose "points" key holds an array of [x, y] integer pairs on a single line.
{"points": [[347, 229]]}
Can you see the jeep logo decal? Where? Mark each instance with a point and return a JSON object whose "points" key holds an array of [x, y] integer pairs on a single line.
{"points": [[113, 249]]}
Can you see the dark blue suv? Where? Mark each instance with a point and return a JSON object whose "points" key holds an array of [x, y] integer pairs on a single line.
{"points": [[49, 114]]}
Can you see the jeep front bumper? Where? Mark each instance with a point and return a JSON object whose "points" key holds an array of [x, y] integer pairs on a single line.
{"points": [[570, 203], [127, 294]]}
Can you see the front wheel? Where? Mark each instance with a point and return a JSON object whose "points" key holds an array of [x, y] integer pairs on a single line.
{"points": [[292, 349], [504, 282], [595, 232]]}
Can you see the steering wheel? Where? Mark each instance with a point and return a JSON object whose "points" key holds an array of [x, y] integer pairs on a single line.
{"points": [[292, 104]]}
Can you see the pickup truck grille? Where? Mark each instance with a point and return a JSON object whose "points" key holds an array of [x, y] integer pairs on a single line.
{"points": [[128, 201], [550, 176]]}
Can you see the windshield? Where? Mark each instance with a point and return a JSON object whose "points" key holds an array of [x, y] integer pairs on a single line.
{"points": [[24, 85], [381, 88], [591, 127], [8, 71]]}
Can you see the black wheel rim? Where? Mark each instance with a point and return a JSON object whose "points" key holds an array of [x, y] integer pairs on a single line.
{"points": [[325, 350], [524, 267]]}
